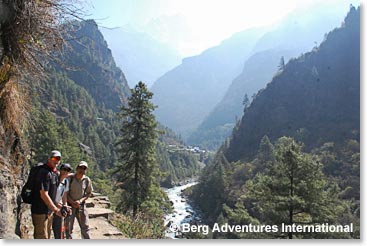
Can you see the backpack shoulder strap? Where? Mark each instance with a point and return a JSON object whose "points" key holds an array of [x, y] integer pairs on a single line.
{"points": [[87, 184], [71, 179]]}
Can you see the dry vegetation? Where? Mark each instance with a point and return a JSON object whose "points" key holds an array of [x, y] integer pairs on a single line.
{"points": [[30, 33]]}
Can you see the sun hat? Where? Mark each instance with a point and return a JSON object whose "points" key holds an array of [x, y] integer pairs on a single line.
{"points": [[83, 164]]}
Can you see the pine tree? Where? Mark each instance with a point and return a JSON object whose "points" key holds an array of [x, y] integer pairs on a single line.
{"points": [[213, 189], [265, 156], [281, 65], [294, 191], [245, 102], [137, 150]]}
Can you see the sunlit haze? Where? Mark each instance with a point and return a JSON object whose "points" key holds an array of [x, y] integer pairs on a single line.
{"points": [[190, 26]]}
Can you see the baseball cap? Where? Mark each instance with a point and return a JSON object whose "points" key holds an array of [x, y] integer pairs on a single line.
{"points": [[83, 164], [54, 153], [66, 166]]}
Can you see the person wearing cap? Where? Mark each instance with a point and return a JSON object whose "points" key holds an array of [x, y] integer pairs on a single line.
{"points": [[80, 190], [61, 198], [44, 205]]}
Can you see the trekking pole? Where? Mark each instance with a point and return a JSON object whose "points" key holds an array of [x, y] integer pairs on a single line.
{"points": [[63, 228], [64, 212]]}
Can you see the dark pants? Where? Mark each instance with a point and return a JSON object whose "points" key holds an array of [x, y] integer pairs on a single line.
{"points": [[56, 226]]}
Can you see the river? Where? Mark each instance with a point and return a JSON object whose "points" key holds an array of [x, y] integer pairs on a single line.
{"points": [[182, 210]]}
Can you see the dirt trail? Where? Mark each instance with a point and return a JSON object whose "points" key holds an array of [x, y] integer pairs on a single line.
{"points": [[99, 211]]}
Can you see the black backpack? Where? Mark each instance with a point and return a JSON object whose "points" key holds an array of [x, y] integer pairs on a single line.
{"points": [[27, 190]]}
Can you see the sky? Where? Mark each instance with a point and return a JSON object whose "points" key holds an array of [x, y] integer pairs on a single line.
{"points": [[191, 26]]}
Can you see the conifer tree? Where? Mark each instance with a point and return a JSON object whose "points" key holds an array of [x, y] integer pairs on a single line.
{"points": [[294, 191], [245, 102], [213, 189], [136, 148], [281, 65], [265, 156]]}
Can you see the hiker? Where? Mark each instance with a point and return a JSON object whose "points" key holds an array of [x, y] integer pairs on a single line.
{"points": [[80, 190], [43, 206], [61, 201]]}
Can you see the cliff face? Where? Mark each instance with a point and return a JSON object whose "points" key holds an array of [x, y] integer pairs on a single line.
{"points": [[13, 164], [93, 66], [14, 216]]}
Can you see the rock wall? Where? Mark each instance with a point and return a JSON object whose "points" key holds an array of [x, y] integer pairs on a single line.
{"points": [[14, 217], [13, 214], [8, 204]]}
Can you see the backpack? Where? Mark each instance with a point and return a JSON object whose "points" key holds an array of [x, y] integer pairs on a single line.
{"points": [[27, 190]]}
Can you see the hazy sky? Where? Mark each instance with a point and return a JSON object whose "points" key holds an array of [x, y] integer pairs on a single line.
{"points": [[190, 26]]}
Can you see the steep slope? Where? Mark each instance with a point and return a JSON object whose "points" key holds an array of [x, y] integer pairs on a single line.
{"points": [[258, 70], [305, 24], [188, 92], [315, 99], [296, 34], [90, 64], [175, 161], [74, 106], [141, 57], [83, 113]]}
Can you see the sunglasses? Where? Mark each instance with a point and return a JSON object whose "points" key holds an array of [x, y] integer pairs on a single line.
{"points": [[82, 167], [65, 169], [56, 158]]}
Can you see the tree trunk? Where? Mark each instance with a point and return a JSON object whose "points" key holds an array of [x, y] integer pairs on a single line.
{"points": [[136, 182], [290, 234]]}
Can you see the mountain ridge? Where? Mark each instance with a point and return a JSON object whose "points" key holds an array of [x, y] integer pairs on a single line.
{"points": [[98, 65], [310, 78], [198, 83], [296, 34], [142, 57]]}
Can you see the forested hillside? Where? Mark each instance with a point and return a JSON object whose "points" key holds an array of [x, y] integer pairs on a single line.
{"points": [[286, 130], [315, 99], [218, 125], [176, 161], [188, 94], [296, 34], [78, 100], [89, 62], [293, 158], [75, 109]]}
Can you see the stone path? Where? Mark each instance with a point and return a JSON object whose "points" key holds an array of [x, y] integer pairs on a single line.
{"points": [[99, 211]]}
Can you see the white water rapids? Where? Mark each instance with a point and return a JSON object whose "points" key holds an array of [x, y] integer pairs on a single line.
{"points": [[182, 211]]}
